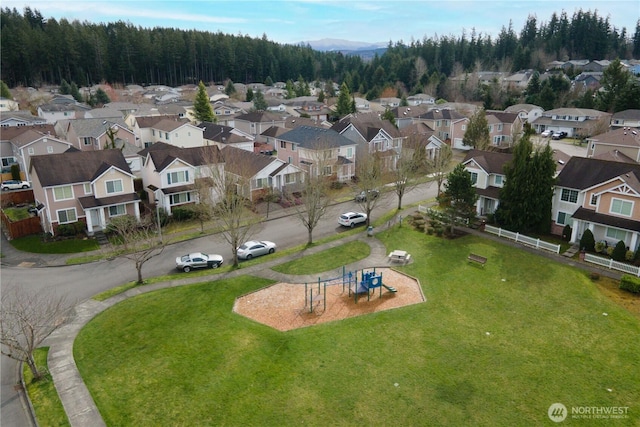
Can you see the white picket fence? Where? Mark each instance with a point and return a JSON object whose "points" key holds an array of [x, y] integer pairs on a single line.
{"points": [[614, 265], [521, 238]]}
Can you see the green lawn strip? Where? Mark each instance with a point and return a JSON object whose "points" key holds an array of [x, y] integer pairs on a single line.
{"points": [[491, 346], [34, 244], [326, 260], [43, 393], [16, 214]]}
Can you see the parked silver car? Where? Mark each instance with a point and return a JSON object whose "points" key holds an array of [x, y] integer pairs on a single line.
{"points": [[193, 260], [351, 219], [254, 248]]}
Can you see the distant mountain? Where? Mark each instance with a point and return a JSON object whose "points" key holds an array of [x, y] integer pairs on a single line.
{"points": [[325, 45]]}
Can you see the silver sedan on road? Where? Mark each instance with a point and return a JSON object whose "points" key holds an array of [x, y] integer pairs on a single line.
{"points": [[254, 248]]}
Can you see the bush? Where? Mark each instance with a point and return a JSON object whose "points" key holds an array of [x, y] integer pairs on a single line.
{"points": [[594, 276], [15, 172], [630, 283], [600, 247], [566, 233], [609, 250], [66, 230], [619, 251], [629, 256], [337, 185], [182, 213], [587, 241]]}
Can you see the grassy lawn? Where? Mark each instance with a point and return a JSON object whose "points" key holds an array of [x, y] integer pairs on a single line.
{"points": [[491, 346], [34, 244], [327, 259], [49, 410]]}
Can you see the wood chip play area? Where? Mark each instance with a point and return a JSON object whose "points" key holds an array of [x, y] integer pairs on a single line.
{"points": [[286, 306]]}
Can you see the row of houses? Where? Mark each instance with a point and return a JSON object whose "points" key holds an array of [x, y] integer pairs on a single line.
{"points": [[599, 194]]}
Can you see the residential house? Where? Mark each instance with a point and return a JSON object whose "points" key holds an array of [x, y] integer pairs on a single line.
{"points": [[258, 174], [587, 80], [407, 116], [143, 126], [7, 104], [175, 176], [527, 112], [254, 123], [391, 102], [488, 177], [419, 136], [33, 143], [267, 141], [626, 118], [574, 64], [621, 141], [449, 126], [222, 136], [503, 127], [88, 186], [518, 80], [8, 134], [95, 134], [372, 135], [601, 196], [319, 151], [62, 107], [362, 104], [178, 132], [317, 111], [596, 66], [9, 119], [420, 99], [576, 122]]}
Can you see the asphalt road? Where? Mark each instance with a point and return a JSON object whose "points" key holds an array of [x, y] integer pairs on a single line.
{"points": [[80, 282]]}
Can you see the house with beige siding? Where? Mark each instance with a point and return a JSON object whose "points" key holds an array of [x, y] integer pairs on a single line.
{"points": [[95, 134], [87, 186], [34, 143], [617, 142]]}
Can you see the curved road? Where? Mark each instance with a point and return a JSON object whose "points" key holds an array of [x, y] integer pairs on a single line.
{"points": [[81, 282]]}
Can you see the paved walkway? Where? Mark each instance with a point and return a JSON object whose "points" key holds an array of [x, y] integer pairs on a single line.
{"points": [[76, 399]]}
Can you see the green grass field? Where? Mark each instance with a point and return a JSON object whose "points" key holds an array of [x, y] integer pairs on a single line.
{"points": [[492, 346]]}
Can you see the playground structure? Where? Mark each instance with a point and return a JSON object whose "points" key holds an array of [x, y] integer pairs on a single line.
{"points": [[369, 281]]}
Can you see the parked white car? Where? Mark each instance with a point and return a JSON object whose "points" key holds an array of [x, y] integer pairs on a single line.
{"points": [[14, 184], [351, 219]]}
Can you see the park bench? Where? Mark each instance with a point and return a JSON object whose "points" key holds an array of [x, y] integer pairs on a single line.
{"points": [[477, 259]]}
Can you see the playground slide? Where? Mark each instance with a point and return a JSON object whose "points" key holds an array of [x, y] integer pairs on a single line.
{"points": [[389, 288]]}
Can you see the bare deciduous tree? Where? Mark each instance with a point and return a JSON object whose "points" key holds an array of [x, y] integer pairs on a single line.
{"points": [[369, 175], [27, 319], [404, 175], [314, 189], [439, 165], [139, 240]]}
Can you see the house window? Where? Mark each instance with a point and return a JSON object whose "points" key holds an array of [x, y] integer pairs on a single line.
{"points": [[153, 132], [87, 188], [87, 140], [31, 151], [176, 199], [499, 180], [289, 178], [114, 186], [293, 147], [283, 144], [260, 182], [66, 216], [621, 207], [616, 234], [117, 210], [62, 193], [464, 127], [177, 177], [349, 152], [326, 170], [290, 159], [594, 200], [7, 161], [166, 136], [474, 178], [499, 128], [569, 195], [563, 218], [490, 128]]}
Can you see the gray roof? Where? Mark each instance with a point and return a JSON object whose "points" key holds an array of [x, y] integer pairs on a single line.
{"points": [[490, 161], [580, 172], [94, 127], [76, 166], [310, 137], [163, 155]]}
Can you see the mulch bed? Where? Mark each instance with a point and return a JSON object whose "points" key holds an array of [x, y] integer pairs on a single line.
{"points": [[287, 306]]}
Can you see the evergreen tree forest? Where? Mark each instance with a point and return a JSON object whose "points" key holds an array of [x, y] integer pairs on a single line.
{"points": [[38, 51]]}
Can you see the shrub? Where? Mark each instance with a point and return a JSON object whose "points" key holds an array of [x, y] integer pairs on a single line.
{"points": [[15, 172], [337, 185], [66, 230], [609, 250], [594, 276], [630, 283], [182, 213], [600, 247], [629, 256], [619, 251], [566, 233], [587, 241]]}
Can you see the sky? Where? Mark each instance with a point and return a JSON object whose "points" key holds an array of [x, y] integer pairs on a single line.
{"points": [[369, 21]]}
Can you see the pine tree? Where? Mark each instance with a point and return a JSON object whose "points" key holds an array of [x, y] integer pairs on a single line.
{"points": [[614, 81], [250, 95], [203, 111], [344, 105], [4, 91], [229, 89], [526, 197], [388, 115], [459, 197], [477, 133], [259, 103], [102, 97], [75, 92]]}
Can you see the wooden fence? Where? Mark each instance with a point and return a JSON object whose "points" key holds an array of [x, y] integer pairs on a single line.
{"points": [[18, 197], [25, 227]]}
